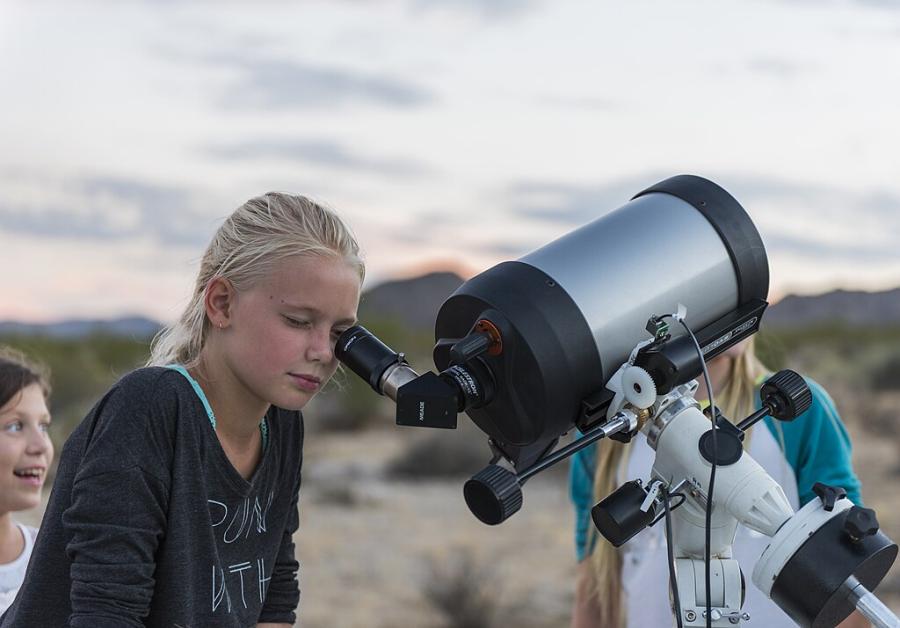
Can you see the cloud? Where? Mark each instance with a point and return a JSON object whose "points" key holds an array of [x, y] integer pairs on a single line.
{"points": [[267, 83], [490, 9], [574, 204], [109, 208], [323, 153], [776, 67], [588, 103], [833, 252], [816, 221], [818, 202]]}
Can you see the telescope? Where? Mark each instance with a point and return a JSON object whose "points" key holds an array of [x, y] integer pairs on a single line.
{"points": [[605, 330]]}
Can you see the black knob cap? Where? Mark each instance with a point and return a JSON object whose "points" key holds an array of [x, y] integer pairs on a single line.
{"points": [[786, 395], [860, 523], [493, 494], [829, 494], [469, 347]]}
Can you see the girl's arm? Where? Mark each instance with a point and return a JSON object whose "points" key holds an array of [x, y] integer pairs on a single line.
{"points": [[117, 513], [116, 520], [283, 593]]}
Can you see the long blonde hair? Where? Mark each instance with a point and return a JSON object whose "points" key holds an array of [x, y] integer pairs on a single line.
{"points": [[252, 239], [735, 401]]}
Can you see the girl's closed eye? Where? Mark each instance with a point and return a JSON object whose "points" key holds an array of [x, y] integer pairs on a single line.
{"points": [[297, 322], [336, 333]]}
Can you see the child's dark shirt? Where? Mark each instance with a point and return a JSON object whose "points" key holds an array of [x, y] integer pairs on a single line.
{"points": [[149, 524]]}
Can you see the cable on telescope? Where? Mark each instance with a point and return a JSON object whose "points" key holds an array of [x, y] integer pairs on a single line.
{"points": [[712, 472], [673, 579]]}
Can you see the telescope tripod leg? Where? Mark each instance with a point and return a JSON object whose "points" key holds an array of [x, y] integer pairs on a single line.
{"points": [[727, 588]]}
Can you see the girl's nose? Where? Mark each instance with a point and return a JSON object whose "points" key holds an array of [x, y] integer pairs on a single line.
{"points": [[321, 348], [38, 441]]}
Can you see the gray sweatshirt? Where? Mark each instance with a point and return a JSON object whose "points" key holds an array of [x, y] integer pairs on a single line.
{"points": [[149, 524]]}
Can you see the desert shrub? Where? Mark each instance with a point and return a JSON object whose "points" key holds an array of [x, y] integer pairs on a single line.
{"points": [[463, 590], [340, 493], [442, 454], [884, 375]]}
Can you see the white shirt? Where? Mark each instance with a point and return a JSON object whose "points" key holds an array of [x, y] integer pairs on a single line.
{"points": [[645, 573], [12, 574]]}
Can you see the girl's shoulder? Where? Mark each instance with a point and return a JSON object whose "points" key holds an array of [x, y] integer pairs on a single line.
{"points": [[145, 402], [149, 387], [136, 423], [148, 378]]}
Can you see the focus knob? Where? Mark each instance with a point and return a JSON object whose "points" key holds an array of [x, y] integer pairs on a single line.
{"points": [[860, 523], [786, 395], [493, 494]]}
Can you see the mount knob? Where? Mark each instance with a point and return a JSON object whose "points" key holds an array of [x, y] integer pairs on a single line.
{"points": [[786, 395], [493, 494]]}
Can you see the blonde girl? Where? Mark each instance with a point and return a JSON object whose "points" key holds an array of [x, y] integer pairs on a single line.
{"points": [[176, 498], [629, 586]]}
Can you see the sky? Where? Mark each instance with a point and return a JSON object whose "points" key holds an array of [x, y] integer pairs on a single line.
{"points": [[448, 133]]}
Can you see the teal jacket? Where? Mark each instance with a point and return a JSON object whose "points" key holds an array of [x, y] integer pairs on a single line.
{"points": [[815, 444]]}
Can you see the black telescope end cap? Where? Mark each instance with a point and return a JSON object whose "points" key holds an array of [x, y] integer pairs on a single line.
{"points": [[786, 394], [493, 494], [728, 449], [618, 516]]}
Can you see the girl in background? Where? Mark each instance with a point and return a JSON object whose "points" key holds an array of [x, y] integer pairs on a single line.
{"points": [[175, 501], [629, 586], [25, 455]]}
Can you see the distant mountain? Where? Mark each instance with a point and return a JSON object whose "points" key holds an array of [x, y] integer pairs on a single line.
{"points": [[414, 302], [137, 327], [850, 307]]}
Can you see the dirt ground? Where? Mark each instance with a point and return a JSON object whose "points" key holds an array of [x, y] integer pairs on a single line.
{"points": [[371, 549], [365, 544]]}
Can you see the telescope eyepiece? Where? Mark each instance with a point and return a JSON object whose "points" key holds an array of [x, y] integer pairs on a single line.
{"points": [[366, 355]]}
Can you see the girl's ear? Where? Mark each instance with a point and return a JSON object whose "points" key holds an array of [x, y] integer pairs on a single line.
{"points": [[219, 301]]}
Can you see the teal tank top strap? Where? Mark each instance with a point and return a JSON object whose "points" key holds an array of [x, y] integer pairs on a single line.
{"points": [[263, 425]]}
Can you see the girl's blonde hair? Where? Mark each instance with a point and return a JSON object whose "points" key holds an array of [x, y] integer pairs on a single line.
{"points": [[257, 235], [735, 401]]}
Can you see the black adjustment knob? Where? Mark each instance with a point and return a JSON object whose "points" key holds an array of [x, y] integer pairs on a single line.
{"points": [[786, 395], [860, 523], [470, 347], [493, 494], [828, 494]]}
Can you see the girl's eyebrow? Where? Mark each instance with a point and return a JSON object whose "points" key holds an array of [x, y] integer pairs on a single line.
{"points": [[318, 313], [17, 414]]}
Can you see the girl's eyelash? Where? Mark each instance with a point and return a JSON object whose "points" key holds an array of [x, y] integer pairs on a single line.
{"points": [[296, 322]]}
